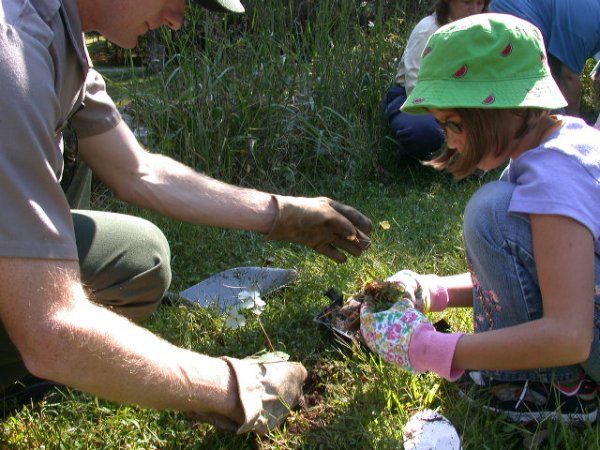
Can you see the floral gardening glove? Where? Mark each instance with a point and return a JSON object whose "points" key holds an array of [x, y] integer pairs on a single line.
{"points": [[389, 332], [415, 289]]}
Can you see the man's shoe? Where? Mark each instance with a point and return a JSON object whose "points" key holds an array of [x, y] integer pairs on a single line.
{"points": [[527, 401], [27, 390]]}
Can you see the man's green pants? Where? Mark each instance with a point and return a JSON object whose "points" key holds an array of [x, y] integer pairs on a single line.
{"points": [[124, 262]]}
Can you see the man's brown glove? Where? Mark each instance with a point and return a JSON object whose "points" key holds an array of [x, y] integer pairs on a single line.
{"points": [[327, 226], [267, 393]]}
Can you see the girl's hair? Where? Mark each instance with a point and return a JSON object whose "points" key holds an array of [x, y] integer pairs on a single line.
{"points": [[488, 133], [442, 7]]}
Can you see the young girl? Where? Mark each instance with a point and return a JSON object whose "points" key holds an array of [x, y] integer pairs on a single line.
{"points": [[531, 238], [420, 136]]}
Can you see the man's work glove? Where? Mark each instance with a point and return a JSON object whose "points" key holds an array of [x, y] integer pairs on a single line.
{"points": [[403, 336], [426, 292], [327, 226], [267, 392]]}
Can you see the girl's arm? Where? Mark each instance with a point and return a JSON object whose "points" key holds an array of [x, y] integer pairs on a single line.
{"points": [[460, 289], [564, 256]]}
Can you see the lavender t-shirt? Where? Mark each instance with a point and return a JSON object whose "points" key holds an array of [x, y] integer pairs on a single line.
{"points": [[561, 176]]}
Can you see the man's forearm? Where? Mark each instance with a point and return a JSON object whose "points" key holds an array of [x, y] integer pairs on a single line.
{"points": [[179, 192], [168, 187], [104, 354], [64, 337]]}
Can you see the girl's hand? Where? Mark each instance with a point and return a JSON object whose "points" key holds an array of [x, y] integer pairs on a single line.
{"points": [[388, 333], [416, 289]]}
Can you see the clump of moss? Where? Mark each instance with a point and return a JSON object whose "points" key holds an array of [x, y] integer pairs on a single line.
{"points": [[380, 295], [343, 316]]}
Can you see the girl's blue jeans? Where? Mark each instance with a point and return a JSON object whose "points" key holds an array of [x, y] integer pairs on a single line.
{"points": [[506, 289]]}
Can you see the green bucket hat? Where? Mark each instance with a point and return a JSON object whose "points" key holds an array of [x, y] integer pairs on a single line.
{"points": [[484, 61], [222, 5]]}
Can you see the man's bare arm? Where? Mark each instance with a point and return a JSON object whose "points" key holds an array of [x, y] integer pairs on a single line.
{"points": [[64, 337], [570, 86], [170, 188], [164, 185]]}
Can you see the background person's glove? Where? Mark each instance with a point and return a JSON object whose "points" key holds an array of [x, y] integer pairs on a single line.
{"points": [[403, 336], [327, 226], [267, 393], [425, 291]]}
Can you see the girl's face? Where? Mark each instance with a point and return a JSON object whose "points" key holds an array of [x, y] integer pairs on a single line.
{"points": [[459, 9], [456, 137], [453, 127]]}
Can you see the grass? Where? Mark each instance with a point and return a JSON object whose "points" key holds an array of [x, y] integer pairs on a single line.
{"points": [[287, 98], [355, 400]]}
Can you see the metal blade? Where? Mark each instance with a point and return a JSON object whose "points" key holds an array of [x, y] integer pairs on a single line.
{"points": [[222, 289]]}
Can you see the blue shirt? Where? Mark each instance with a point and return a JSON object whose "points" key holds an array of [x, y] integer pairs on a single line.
{"points": [[571, 28]]}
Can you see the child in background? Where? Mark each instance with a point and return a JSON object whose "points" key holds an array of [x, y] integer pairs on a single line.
{"points": [[531, 238], [421, 136]]}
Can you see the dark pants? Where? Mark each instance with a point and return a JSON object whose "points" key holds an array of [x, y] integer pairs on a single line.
{"points": [[417, 135], [124, 261]]}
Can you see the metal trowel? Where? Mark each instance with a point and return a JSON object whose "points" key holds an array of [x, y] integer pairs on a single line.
{"points": [[222, 289]]}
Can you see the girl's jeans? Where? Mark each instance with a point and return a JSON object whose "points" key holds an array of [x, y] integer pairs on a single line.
{"points": [[506, 289]]}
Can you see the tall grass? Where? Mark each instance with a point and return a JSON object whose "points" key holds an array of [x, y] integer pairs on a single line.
{"points": [[288, 93], [284, 95]]}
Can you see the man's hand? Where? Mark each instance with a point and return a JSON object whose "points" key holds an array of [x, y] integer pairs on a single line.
{"points": [[267, 391], [327, 226]]}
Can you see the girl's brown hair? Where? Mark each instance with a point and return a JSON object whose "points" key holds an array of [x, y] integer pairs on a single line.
{"points": [[442, 7], [488, 133]]}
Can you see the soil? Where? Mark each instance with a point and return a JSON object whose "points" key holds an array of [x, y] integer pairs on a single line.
{"points": [[343, 316]]}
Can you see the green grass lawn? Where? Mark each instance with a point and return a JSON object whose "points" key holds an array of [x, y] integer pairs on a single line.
{"points": [[354, 400]]}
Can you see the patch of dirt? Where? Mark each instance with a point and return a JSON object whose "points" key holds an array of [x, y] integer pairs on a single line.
{"points": [[343, 316]]}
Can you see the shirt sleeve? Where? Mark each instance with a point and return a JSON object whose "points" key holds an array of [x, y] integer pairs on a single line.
{"points": [[99, 113], [36, 220], [411, 58], [574, 34], [551, 182]]}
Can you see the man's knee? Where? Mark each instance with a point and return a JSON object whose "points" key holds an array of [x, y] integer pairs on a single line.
{"points": [[142, 285], [124, 260]]}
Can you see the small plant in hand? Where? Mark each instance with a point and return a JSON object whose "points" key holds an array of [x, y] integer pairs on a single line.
{"points": [[380, 295]]}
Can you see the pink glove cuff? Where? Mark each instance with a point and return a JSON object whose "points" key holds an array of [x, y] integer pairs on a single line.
{"points": [[437, 292], [430, 350]]}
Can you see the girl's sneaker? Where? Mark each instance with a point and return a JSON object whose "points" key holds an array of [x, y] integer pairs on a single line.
{"points": [[527, 401]]}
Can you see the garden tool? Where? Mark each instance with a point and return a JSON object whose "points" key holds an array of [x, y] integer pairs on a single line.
{"points": [[223, 289]]}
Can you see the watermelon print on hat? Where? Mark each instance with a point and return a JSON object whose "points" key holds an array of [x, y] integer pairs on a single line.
{"points": [[485, 61]]}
